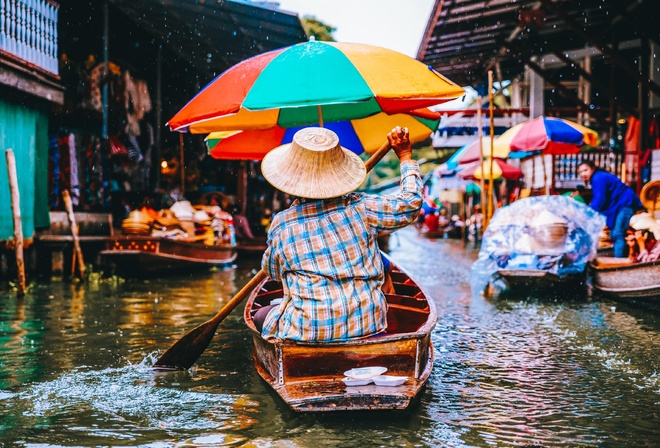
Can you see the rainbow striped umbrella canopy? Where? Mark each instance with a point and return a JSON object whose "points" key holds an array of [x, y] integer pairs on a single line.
{"points": [[549, 135], [313, 82], [359, 135]]}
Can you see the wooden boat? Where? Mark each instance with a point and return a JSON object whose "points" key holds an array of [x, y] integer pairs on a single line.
{"points": [[308, 376], [627, 280], [440, 233], [605, 250], [144, 255], [524, 279]]}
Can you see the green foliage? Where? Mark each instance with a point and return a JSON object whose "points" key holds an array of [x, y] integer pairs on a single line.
{"points": [[317, 29]]}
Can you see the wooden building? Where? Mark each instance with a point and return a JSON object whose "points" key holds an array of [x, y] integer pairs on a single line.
{"points": [[87, 86]]}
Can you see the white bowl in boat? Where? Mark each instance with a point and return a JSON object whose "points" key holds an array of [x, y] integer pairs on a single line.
{"points": [[362, 373], [356, 382], [389, 380]]}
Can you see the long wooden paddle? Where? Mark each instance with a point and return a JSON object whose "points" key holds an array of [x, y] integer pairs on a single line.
{"points": [[185, 352]]}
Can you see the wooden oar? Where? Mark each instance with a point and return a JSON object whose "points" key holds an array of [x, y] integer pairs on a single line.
{"points": [[184, 352]]}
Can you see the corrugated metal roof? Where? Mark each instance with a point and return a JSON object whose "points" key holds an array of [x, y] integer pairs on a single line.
{"points": [[464, 38]]}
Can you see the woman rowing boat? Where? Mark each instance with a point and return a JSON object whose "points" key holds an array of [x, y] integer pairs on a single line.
{"points": [[323, 248]]}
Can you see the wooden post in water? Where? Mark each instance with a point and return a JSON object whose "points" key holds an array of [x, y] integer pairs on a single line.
{"points": [[78, 256], [18, 223], [482, 182], [491, 99]]}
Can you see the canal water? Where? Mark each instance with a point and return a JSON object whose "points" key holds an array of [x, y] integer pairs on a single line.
{"points": [[527, 371]]}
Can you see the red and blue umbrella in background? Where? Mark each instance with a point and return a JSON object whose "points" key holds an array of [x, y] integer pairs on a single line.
{"points": [[549, 135]]}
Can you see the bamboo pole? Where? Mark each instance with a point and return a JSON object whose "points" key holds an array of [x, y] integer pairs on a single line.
{"points": [[481, 154], [492, 145], [18, 223], [78, 256], [545, 175], [623, 171]]}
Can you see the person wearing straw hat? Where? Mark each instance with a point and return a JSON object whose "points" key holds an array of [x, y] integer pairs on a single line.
{"points": [[614, 199], [324, 248]]}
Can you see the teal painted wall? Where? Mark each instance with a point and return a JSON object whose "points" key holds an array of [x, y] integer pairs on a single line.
{"points": [[25, 131]]}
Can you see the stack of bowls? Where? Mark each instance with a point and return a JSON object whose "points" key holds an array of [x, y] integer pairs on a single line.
{"points": [[137, 223]]}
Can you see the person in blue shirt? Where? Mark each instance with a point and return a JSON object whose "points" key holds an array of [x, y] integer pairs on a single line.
{"points": [[614, 199]]}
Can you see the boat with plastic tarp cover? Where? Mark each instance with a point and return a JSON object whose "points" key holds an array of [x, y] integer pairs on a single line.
{"points": [[382, 372], [537, 244]]}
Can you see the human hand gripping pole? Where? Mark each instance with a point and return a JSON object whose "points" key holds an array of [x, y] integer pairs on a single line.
{"points": [[185, 352]]}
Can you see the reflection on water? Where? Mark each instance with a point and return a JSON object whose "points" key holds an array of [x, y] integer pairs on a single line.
{"points": [[75, 368]]}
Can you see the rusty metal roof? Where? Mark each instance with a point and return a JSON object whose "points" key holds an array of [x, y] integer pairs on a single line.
{"points": [[466, 38]]}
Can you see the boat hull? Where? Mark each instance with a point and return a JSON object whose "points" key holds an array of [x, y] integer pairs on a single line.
{"points": [[628, 281], [144, 255], [524, 279], [307, 376]]}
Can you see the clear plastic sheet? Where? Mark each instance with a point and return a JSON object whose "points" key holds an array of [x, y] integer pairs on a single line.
{"points": [[553, 233]]}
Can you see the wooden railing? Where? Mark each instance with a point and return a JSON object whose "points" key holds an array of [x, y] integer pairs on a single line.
{"points": [[28, 31]]}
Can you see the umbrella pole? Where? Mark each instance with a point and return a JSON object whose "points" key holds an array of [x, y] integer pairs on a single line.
{"points": [[183, 167], [492, 144], [320, 115]]}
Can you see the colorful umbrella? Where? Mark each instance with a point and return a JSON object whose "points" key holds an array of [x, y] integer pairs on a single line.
{"points": [[500, 169], [549, 135], [360, 135], [472, 152], [313, 82]]}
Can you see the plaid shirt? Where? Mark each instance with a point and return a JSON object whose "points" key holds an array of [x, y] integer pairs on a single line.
{"points": [[326, 255]]}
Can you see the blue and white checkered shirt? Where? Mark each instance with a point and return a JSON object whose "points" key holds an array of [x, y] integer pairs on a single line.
{"points": [[326, 255]]}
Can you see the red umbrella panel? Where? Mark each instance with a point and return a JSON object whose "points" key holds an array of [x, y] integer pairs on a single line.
{"points": [[473, 170]]}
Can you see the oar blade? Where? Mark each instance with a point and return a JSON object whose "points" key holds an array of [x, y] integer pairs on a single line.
{"points": [[187, 350]]}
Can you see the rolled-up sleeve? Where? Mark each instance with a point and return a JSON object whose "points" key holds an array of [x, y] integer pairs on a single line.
{"points": [[391, 212]]}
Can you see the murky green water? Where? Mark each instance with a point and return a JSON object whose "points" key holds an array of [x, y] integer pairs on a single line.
{"points": [[75, 369]]}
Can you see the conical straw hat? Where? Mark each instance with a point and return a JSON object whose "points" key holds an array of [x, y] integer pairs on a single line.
{"points": [[650, 195], [314, 166]]}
